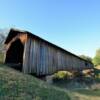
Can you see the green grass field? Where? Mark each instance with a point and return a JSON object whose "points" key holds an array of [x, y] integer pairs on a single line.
{"points": [[1, 57], [17, 86], [95, 92]]}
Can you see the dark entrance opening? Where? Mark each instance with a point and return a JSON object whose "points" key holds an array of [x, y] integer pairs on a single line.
{"points": [[14, 56]]}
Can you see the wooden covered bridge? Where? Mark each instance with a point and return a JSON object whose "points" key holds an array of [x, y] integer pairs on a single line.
{"points": [[32, 54]]}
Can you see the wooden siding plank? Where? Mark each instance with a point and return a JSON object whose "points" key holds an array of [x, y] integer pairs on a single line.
{"points": [[42, 59]]}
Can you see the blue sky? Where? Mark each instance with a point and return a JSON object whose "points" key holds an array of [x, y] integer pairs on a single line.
{"points": [[71, 24]]}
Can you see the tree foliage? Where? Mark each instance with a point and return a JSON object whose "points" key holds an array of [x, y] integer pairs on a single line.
{"points": [[86, 58], [96, 59]]}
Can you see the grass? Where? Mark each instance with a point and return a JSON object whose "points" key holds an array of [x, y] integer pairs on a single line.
{"points": [[1, 57], [17, 86], [89, 92], [78, 96]]}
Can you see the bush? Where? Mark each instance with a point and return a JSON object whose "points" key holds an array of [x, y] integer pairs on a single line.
{"points": [[61, 75]]}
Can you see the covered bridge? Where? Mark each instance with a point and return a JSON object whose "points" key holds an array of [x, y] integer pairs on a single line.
{"points": [[32, 54]]}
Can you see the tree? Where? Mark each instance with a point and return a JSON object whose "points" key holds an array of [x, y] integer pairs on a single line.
{"points": [[86, 58], [96, 59]]}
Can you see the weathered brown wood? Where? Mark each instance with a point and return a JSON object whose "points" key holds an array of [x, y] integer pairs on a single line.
{"points": [[42, 58]]}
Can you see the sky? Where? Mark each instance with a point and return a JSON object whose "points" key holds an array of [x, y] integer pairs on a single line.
{"points": [[71, 24]]}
